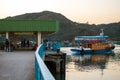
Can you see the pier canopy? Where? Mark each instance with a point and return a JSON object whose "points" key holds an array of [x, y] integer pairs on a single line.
{"points": [[22, 31], [29, 25]]}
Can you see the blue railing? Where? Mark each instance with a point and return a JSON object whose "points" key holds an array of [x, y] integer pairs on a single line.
{"points": [[41, 70]]}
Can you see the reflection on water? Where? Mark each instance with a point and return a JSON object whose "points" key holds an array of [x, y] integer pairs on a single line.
{"points": [[93, 67], [87, 62]]}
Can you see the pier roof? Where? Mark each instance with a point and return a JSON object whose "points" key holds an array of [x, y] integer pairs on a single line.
{"points": [[29, 25]]}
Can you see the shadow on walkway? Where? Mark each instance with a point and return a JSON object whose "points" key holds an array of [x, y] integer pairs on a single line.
{"points": [[17, 65]]}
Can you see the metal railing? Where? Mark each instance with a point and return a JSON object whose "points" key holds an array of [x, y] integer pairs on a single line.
{"points": [[41, 70]]}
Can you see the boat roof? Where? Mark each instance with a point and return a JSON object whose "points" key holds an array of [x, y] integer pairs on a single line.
{"points": [[92, 37]]}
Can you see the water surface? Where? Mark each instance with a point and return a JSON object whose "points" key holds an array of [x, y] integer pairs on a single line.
{"points": [[93, 67]]}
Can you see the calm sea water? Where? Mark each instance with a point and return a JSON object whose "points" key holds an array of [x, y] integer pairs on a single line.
{"points": [[92, 67]]}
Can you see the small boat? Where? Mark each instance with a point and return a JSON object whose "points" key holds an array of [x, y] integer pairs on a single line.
{"points": [[93, 44]]}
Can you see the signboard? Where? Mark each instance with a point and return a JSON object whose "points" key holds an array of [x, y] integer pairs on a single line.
{"points": [[23, 33]]}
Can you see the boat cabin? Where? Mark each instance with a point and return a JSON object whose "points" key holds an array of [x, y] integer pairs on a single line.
{"points": [[93, 42]]}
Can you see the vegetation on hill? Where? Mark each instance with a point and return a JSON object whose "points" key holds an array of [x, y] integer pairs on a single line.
{"points": [[69, 29]]}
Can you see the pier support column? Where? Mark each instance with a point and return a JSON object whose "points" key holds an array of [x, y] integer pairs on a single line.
{"points": [[58, 65], [7, 35], [39, 38]]}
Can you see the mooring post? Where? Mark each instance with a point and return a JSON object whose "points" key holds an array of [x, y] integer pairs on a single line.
{"points": [[58, 65]]}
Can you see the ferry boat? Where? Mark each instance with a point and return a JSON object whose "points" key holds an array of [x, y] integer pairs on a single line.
{"points": [[93, 44]]}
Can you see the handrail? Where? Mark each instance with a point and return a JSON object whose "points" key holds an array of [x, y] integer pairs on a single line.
{"points": [[41, 70]]}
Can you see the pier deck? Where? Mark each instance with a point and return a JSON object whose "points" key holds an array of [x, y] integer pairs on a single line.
{"points": [[17, 65]]}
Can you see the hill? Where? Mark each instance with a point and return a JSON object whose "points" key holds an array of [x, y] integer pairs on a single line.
{"points": [[69, 29]]}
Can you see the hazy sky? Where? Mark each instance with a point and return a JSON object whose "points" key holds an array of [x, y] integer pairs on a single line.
{"points": [[92, 11]]}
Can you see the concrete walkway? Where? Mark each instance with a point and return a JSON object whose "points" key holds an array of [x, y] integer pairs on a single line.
{"points": [[17, 65]]}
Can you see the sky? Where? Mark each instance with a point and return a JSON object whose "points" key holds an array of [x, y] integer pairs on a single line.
{"points": [[82, 11]]}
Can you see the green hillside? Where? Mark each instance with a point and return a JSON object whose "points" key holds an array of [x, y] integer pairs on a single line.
{"points": [[69, 29]]}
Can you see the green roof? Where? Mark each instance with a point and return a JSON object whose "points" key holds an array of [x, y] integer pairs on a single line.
{"points": [[29, 25]]}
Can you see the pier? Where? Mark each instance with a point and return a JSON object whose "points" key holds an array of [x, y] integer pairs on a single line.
{"points": [[22, 65], [25, 35]]}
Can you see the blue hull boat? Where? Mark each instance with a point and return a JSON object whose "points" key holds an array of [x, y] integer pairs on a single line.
{"points": [[93, 44]]}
